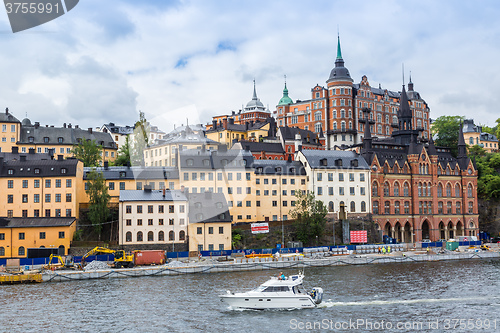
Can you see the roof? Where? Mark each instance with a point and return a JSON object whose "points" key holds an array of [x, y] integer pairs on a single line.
{"points": [[307, 137], [251, 126], [285, 99], [348, 158], [339, 72], [278, 167], [39, 168], [208, 207], [6, 117], [210, 159], [257, 147], [29, 157], [152, 195], [64, 136], [123, 172], [255, 104], [32, 222], [123, 130]]}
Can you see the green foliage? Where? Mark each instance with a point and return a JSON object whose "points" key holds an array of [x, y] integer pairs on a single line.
{"points": [[237, 237], [476, 151], [489, 178], [447, 128], [123, 157], [141, 140], [309, 215], [89, 152], [98, 199]]}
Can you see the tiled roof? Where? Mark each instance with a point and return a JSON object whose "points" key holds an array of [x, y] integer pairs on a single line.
{"points": [[153, 195], [121, 172], [348, 158], [6, 117], [31, 222], [39, 168]]}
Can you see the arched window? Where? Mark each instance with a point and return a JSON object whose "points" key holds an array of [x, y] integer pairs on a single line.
{"points": [[128, 236], [317, 127], [458, 207], [457, 191], [363, 206], [448, 190], [151, 236], [353, 206], [2, 251], [396, 207], [375, 189], [440, 190], [317, 116], [471, 141], [429, 189], [419, 189], [396, 189], [21, 251], [471, 207], [379, 129], [469, 191], [440, 207], [387, 189], [334, 114], [387, 207], [334, 125], [182, 235], [161, 236], [375, 207], [394, 119], [379, 118], [342, 125], [171, 235], [330, 206], [406, 190], [139, 236], [342, 113]]}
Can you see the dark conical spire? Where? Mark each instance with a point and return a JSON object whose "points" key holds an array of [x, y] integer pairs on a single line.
{"points": [[339, 72], [412, 149], [410, 84], [404, 113], [462, 147], [432, 148]]}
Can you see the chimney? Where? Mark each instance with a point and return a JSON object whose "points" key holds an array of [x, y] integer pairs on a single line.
{"points": [[69, 125], [251, 123], [6, 110], [164, 192], [60, 157], [182, 188], [246, 125], [15, 150], [37, 124], [233, 113], [22, 158], [90, 130], [106, 164], [147, 188], [76, 126], [64, 125], [224, 123], [214, 124], [32, 150], [289, 160], [231, 121], [46, 125]]}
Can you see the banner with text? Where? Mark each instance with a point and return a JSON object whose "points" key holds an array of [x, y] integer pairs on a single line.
{"points": [[260, 228], [359, 236]]}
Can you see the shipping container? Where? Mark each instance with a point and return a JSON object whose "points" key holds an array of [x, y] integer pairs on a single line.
{"points": [[149, 257]]}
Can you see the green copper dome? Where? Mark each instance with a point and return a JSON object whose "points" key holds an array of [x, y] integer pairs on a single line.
{"points": [[285, 100]]}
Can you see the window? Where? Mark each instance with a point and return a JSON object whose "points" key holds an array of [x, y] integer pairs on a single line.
{"points": [[21, 235], [58, 197], [341, 191], [139, 221], [68, 183], [319, 190], [36, 183], [375, 207], [199, 230], [21, 251], [47, 183], [58, 183], [150, 209], [10, 184], [387, 207], [139, 236], [406, 190], [61, 234], [36, 213], [68, 197], [363, 206], [341, 177], [353, 206], [351, 191], [351, 177], [68, 212], [25, 198], [111, 186], [139, 209], [47, 197], [128, 236], [128, 209], [171, 208]]}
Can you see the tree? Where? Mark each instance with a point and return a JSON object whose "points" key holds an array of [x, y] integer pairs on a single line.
{"points": [[89, 152], [476, 151], [447, 128], [98, 199], [310, 217], [123, 157], [141, 140]]}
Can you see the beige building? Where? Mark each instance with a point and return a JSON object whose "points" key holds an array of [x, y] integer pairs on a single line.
{"points": [[10, 129], [209, 226], [474, 135], [337, 177], [153, 217]]}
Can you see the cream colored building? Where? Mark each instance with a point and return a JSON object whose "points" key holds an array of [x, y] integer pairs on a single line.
{"points": [[337, 177], [474, 135], [148, 217]]}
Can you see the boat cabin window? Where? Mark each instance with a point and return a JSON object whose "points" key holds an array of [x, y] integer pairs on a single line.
{"points": [[276, 289]]}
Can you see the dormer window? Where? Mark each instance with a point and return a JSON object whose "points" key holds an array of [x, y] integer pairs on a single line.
{"points": [[31, 139], [10, 171], [64, 170], [60, 140], [122, 174], [354, 163], [323, 162], [338, 162], [46, 139], [37, 170], [197, 205], [206, 163], [189, 162]]}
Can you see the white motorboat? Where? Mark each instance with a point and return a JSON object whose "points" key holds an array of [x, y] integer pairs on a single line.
{"points": [[276, 293]]}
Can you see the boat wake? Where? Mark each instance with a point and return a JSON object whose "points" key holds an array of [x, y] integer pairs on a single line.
{"points": [[330, 303]]}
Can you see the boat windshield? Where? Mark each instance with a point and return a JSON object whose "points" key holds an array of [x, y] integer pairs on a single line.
{"points": [[273, 289]]}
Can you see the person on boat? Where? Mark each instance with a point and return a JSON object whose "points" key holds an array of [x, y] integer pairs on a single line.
{"points": [[383, 249], [379, 249], [281, 276]]}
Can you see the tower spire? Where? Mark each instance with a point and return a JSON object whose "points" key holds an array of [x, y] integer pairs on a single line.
{"points": [[339, 51], [254, 91]]}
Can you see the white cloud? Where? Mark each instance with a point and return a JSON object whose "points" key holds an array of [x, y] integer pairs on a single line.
{"points": [[104, 61]]}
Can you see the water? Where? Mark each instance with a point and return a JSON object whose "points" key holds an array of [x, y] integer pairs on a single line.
{"points": [[408, 294]]}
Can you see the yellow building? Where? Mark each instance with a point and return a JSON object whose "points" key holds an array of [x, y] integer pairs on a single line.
{"points": [[40, 188], [19, 234], [131, 178], [209, 227], [10, 128], [227, 132], [474, 135]]}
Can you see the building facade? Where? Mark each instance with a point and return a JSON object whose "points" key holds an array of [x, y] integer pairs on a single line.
{"points": [[474, 135], [337, 108], [420, 191]]}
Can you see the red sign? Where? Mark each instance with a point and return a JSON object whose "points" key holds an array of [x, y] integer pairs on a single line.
{"points": [[359, 236], [260, 228]]}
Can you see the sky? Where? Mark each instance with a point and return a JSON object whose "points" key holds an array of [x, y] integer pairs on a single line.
{"points": [[104, 61]]}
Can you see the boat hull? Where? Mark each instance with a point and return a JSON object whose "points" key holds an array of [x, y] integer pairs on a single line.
{"points": [[268, 302]]}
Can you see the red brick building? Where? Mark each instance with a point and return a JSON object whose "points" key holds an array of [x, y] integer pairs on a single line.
{"points": [[420, 191], [336, 109]]}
